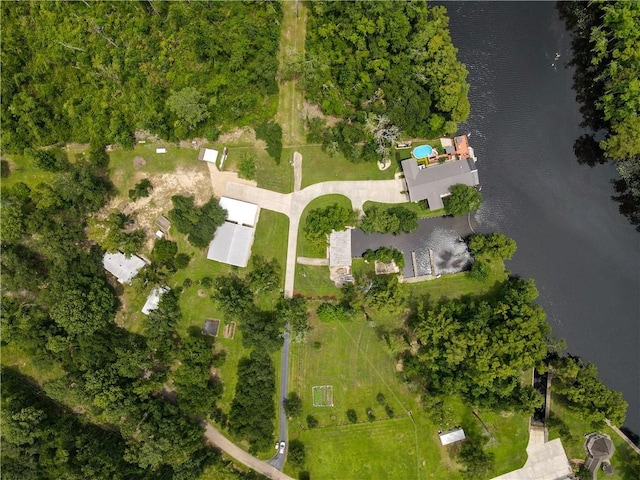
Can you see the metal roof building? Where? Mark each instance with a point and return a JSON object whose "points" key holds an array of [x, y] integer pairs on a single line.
{"points": [[231, 244], [153, 300], [208, 155], [433, 182], [121, 267], [452, 436], [242, 213]]}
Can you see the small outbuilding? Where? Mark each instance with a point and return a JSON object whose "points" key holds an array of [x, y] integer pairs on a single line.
{"points": [[600, 449], [122, 267], [211, 327], [153, 300], [452, 436], [163, 223], [208, 155]]}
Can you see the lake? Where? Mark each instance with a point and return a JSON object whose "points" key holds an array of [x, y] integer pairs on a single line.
{"points": [[583, 255]]}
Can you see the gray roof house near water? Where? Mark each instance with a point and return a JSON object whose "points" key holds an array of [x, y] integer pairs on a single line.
{"points": [[600, 449], [433, 182]]}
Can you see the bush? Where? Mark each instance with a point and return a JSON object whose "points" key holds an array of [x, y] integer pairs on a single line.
{"points": [[247, 167], [479, 271], [5, 170], [297, 454], [141, 189], [271, 133], [206, 282], [50, 160], [181, 260], [187, 282], [327, 312], [380, 398], [352, 416], [312, 421]]}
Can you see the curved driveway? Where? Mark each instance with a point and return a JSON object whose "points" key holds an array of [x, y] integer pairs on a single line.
{"points": [[293, 204]]}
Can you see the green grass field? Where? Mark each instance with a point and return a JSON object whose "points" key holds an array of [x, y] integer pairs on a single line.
{"points": [[317, 166], [356, 362]]}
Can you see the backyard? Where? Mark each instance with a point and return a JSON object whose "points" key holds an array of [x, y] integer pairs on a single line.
{"points": [[384, 441]]}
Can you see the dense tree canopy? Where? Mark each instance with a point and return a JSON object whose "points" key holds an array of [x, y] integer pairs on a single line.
{"points": [[321, 221], [198, 223], [394, 220], [463, 199], [76, 71], [387, 58], [480, 347]]}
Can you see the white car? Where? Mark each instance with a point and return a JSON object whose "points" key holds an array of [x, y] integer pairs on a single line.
{"points": [[282, 445]]}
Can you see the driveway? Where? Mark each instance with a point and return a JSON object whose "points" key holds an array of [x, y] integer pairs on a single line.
{"points": [[224, 444]]}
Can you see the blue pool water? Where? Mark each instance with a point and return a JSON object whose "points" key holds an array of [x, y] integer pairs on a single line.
{"points": [[423, 151]]}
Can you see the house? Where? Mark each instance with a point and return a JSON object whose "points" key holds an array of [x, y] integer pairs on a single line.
{"points": [[600, 449], [122, 267], [153, 300], [233, 240], [452, 436], [432, 183]]}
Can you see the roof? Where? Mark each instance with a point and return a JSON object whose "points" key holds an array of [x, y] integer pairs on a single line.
{"points": [[240, 212], [462, 146], [211, 327], [600, 445], [452, 436], [153, 300], [231, 244], [340, 248], [208, 155], [433, 182], [121, 267], [163, 222]]}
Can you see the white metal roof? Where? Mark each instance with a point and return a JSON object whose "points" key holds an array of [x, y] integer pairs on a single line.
{"points": [[210, 155], [242, 213], [231, 244], [340, 248], [123, 268], [452, 436], [153, 300]]}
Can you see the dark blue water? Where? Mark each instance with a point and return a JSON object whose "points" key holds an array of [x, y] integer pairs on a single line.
{"points": [[583, 255]]}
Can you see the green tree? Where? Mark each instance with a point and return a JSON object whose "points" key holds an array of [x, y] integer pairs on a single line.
{"points": [[493, 245], [321, 221], [264, 275], [463, 199], [141, 189], [198, 223], [271, 132], [234, 296], [187, 106], [296, 453], [352, 416], [293, 405]]}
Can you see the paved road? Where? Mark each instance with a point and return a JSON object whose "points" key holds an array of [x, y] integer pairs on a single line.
{"points": [[278, 459], [224, 444]]}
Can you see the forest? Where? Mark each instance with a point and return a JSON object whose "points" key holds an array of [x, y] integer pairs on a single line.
{"points": [[392, 59], [99, 71], [607, 82]]}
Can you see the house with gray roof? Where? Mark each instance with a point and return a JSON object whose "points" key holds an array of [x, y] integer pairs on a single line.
{"points": [[123, 267], [600, 449], [432, 182]]}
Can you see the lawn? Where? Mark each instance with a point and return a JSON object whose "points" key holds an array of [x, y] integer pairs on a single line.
{"points": [[419, 207], [318, 166], [312, 280], [271, 238], [305, 249], [356, 362], [22, 170], [458, 284], [625, 461]]}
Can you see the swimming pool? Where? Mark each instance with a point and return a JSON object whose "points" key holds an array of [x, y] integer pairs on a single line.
{"points": [[423, 151]]}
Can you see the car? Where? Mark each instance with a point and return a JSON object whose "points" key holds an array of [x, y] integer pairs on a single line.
{"points": [[277, 445], [282, 445]]}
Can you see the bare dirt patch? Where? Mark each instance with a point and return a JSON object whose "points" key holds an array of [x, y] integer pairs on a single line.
{"points": [[139, 162], [311, 110], [202, 293], [145, 211]]}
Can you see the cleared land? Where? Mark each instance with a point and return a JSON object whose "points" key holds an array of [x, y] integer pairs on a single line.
{"points": [[353, 359]]}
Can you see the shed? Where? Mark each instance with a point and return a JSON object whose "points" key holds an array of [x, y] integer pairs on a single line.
{"points": [[340, 248], [122, 267], [161, 150], [164, 223], [231, 244], [153, 300], [452, 436], [208, 155], [242, 213], [211, 327]]}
